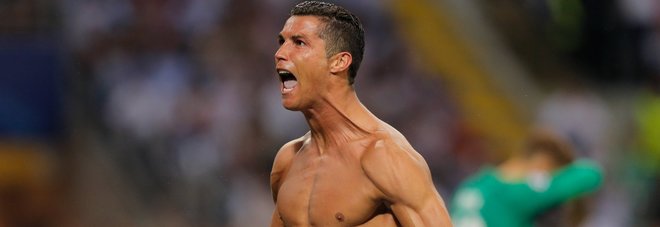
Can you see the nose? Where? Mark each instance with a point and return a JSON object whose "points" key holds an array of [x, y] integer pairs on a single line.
{"points": [[281, 53]]}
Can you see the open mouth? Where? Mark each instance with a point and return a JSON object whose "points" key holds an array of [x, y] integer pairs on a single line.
{"points": [[289, 81]]}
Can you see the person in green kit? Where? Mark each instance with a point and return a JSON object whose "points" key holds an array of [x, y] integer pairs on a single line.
{"points": [[523, 187]]}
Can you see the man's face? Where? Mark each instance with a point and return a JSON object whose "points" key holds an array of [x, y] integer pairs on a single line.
{"points": [[301, 62]]}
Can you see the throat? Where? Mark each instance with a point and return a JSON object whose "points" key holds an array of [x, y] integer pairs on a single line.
{"points": [[333, 127], [334, 138]]}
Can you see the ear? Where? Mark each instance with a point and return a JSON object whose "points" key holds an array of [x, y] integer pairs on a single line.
{"points": [[340, 62]]}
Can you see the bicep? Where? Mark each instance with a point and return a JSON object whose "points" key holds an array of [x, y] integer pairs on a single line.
{"points": [[405, 181]]}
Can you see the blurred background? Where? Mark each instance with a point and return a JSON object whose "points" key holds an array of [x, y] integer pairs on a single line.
{"points": [[168, 113]]}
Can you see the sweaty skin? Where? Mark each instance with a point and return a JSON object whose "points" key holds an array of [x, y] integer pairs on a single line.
{"points": [[350, 169]]}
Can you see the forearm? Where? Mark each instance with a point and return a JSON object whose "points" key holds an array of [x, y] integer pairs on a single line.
{"points": [[432, 215], [577, 179], [580, 177]]}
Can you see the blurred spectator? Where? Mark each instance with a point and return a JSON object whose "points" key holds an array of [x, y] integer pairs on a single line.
{"points": [[517, 191]]}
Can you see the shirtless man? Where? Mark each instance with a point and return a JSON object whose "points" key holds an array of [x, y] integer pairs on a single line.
{"points": [[350, 169]]}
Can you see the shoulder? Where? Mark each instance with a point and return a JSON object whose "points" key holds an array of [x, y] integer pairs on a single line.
{"points": [[283, 160], [287, 151], [390, 146], [394, 166]]}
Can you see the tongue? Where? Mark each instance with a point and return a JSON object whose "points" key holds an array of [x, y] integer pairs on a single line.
{"points": [[290, 84]]}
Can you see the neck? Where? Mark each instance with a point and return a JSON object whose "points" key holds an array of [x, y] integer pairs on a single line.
{"points": [[338, 119]]}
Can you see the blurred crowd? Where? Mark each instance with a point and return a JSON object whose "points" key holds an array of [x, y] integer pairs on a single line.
{"points": [[167, 112]]}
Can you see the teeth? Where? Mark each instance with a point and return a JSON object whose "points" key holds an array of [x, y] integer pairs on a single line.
{"points": [[282, 72]]}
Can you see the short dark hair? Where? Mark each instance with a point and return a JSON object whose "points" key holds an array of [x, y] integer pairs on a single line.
{"points": [[550, 143], [342, 31]]}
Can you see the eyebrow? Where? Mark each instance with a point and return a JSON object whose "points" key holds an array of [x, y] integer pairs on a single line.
{"points": [[297, 36], [280, 37]]}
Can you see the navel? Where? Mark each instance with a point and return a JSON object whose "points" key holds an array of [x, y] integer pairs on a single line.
{"points": [[339, 216]]}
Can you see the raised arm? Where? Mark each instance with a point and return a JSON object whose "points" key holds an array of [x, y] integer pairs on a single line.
{"points": [[579, 178], [404, 178]]}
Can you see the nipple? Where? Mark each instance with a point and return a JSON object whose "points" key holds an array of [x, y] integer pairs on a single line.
{"points": [[339, 216]]}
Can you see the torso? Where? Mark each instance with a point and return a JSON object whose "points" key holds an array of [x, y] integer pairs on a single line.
{"points": [[329, 188]]}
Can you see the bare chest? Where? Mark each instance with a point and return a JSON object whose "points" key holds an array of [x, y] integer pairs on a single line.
{"points": [[327, 190]]}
